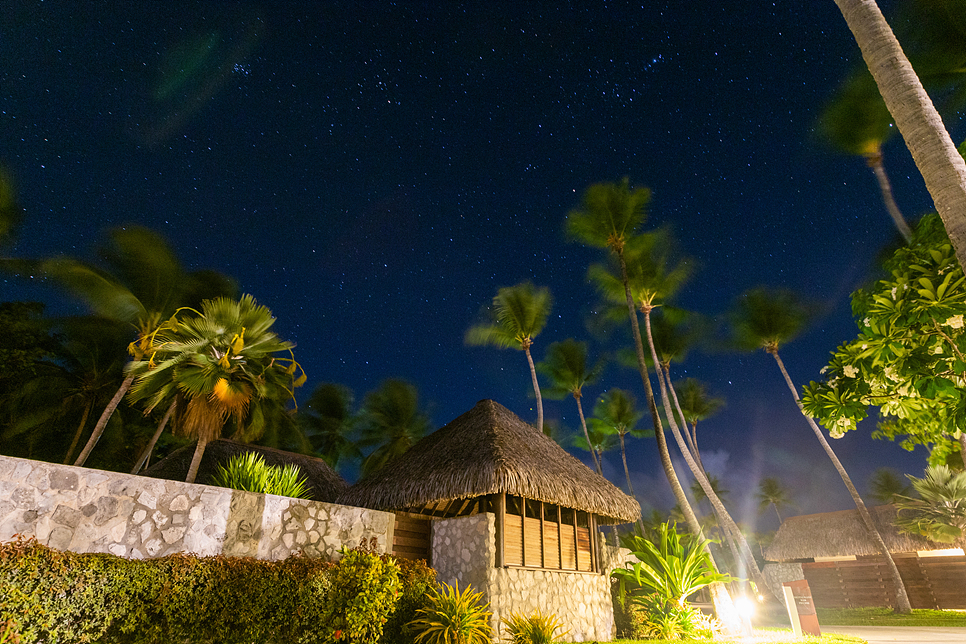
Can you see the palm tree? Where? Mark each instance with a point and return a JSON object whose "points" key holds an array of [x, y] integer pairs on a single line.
{"points": [[328, 421], [566, 365], [886, 484], [222, 365], [598, 441], [518, 315], [143, 286], [608, 217], [391, 422], [937, 158], [695, 404], [940, 511], [772, 493], [858, 123], [615, 413], [768, 319]]}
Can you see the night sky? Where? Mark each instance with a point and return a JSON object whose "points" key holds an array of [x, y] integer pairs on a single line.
{"points": [[374, 172]]}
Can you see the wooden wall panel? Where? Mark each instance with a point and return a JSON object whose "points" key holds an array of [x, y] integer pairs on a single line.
{"points": [[533, 543], [513, 540], [412, 538]]}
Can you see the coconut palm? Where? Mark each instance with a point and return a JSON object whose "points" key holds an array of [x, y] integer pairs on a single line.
{"points": [[566, 365], [937, 158], [328, 420], [598, 441], [771, 492], [390, 423], [142, 284], [696, 404], [615, 413], [608, 217], [767, 319], [223, 365], [886, 484], [518, 315]]}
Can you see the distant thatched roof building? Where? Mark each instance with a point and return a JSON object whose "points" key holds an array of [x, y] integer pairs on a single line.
{"points": [[323, 482], [488, 450], [841, 534]]}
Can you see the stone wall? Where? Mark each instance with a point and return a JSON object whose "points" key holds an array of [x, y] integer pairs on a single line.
{"points": [[464, 550], [84, 510]]}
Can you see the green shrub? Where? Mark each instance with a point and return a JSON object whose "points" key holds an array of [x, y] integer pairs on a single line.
{"points": [[453, 617], [417, 582], [535, 629], [662, 620], [363, 595], [249, 472]]}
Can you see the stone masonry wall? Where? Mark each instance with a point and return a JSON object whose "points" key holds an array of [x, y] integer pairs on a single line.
{"points": [[464, 550], [85, 510]]}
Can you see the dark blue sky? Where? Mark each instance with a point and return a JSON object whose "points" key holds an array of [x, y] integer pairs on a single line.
{"points": [[373, 172]]}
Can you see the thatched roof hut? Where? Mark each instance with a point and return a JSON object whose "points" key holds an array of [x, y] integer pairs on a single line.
{"points": [[843, 534], [488, 451], [323, 482]]}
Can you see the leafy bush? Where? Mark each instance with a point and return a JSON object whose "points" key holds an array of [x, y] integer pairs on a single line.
{"points": [[662, 620], [453, 617], [417, 582], [535, 629], [62, 597], [249, 472], [363, 594]]}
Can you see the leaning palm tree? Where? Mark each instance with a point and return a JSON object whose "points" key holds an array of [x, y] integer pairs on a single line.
{"points": [[222, 365], [771, 492], [615, 413], [696, 404], [517, 316], [608, 217], [767, 319], [391, 421], [566, 365], [141, 284]]}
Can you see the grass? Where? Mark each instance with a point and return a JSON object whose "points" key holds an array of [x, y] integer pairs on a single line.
{"points": [[885, 617], [762, 636]]}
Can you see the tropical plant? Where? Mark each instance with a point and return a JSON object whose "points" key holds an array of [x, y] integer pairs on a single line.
{"points": [[696, 404], [534, 629], [662, 621], [771, 492], [615, 413], [566, 365], [390, 423], [767, 319], [328, 421], [886, 484], [249, 472], [517, 315], [933, 151], [672, 567], [453, 617], [221, 365], [939, 513]]}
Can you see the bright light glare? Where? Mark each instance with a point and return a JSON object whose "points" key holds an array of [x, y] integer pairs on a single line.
{"points": [[745, 607]]}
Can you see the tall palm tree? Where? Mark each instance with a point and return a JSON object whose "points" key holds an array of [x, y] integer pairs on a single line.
{"points": [[937, 158], [608, 217], [391, 422], [615, 413], [696, 404], [142, 284], [566, 365], [328, 421], [598, 441], [771, 492], [223, 365], [764, 319], [518, 315]]}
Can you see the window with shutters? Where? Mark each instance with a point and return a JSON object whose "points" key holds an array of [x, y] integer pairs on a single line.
{"points": [[543, 535]]}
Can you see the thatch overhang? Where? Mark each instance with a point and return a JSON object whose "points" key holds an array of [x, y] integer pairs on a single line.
{"points": [[489, 450], [842, 534], [323, 482]]}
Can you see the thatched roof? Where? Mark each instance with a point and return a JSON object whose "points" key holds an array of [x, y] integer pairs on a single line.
{"points": [[324, 483], [838, 534], [488, 450]]}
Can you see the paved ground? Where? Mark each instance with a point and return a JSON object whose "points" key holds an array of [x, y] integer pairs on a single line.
{"points": [[918, 634]]}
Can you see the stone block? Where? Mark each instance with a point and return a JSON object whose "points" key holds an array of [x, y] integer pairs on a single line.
{"points": [[67, 516], [59, 538], [107, 509]]}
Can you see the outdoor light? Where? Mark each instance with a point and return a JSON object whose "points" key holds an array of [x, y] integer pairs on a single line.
{"points": [[746, 608]]}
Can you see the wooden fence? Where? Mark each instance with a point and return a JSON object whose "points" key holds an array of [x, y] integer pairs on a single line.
{"points": [[412, 538], [931, 582]]}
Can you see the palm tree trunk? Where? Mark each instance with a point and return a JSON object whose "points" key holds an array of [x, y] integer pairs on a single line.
{"points": [[723, 605], [902, 598], [146, 454], [196, 460], [583, 424], [875, 162], [536, 390], [775, 505], [941, 165], [80, 430], [102, 421], [627, 475], [728, 524]]}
